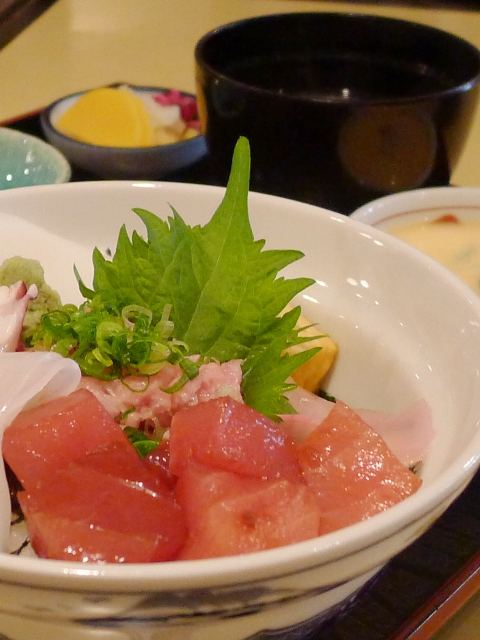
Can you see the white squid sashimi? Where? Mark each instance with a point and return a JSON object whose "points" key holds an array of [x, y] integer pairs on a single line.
{"points": [[408, 433], [13, 305]]}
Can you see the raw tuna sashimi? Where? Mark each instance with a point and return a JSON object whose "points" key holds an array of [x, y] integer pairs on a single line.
{"points": [[48, 437], [226, 434], [84, 515], [354, 473], [229, 515], [121, 460], [158, 461], [227, 481]]}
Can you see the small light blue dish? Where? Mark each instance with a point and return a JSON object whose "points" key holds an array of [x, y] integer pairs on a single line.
{"points": [[26, 160]]}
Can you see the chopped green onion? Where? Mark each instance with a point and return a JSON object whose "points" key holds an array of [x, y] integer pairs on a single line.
{"points": [[122, 416], [109, 342], [142, 443]]}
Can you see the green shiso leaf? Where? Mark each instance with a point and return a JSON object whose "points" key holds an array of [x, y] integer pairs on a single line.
{"points": [[267, 366], [220, 285]]}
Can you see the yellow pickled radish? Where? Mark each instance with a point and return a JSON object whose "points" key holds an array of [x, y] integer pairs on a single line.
{"points": [[144, 120], [108, 117]]}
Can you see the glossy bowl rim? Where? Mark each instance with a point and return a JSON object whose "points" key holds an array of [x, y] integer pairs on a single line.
{"points": [[358, 101], [47, 125], [62, 164], [370, 212]]}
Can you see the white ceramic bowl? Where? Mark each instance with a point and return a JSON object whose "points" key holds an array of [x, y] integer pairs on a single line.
{"points": [[393, 351], [26, 160], [420, 205], [455, 246], [135, 163]]}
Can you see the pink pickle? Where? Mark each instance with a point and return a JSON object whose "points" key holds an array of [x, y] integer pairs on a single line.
{"points": [[187, 104]]}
